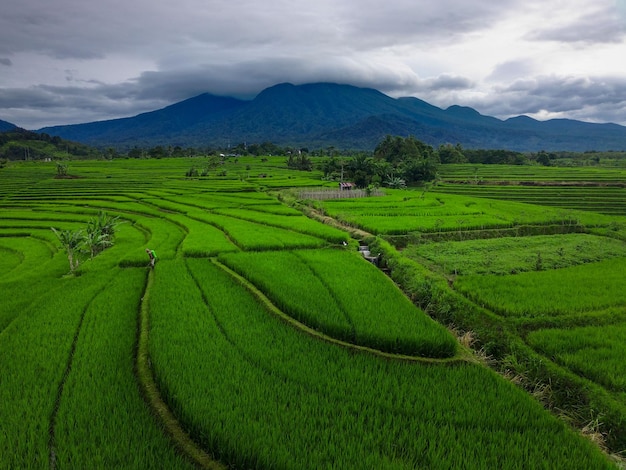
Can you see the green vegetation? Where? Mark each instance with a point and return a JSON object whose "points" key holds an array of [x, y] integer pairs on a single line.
{"points": [[298, 223], [208, 337], [591, 188], [512, 255], [127, 436], [20, 144], [592, 286], [34, 351], [260, 237], [98, 235], [346, 297], [594, 352], [239, 391], [406, 212], [395, 162]]}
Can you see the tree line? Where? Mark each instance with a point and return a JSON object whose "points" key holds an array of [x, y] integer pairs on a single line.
{"points": [[394, 157]]}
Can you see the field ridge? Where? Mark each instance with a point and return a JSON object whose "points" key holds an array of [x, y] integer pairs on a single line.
{"points": [[461, 356], [151, 393]]}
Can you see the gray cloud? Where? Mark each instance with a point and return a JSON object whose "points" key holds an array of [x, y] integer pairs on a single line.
{"points": [[155, 89], [383, 24], [81, 61], [603, 26], [88, 30], [512, 70], [447, 82], [600, 99]]}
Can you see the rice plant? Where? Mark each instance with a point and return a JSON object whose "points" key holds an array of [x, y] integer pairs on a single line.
{"points": [[587, 287], [509, 255], [593, 352], [102, 421], [258, 394], [299, 223], [258, 237]]}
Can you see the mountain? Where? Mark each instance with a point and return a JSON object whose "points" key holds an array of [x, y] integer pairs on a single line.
{"points": [[346, 117], [169, 125], [6, 126]]}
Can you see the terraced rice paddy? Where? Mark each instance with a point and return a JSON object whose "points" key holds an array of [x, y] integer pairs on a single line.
{"points": [[542, 274], [512, 255], [363, 307], [599, 190], [592, 351], [261, 339], [404, 212]]}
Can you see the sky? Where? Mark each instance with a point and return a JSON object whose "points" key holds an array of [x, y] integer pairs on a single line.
{"points": [[74, 61]]}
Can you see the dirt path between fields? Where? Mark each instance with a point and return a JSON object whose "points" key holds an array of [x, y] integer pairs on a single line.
{"points": [[326, 219]]}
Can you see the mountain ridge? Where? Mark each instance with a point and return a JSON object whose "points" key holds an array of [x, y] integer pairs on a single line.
{"points": [[343, 116], [6, 126]]}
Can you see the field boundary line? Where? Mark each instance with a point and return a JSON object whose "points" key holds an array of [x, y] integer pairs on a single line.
{"points": [[226, 234], [267, 303], [312, 213], [274, 224], [151, 393], [331, 293]]}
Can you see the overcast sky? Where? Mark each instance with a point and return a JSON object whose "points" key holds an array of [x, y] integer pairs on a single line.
{"points": [[72, 61]]}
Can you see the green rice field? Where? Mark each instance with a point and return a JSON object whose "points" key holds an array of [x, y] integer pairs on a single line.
{"points": [[596, 189], [262, 339]]}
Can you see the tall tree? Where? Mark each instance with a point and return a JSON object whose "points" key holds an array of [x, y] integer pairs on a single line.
{"points": [[449, 153], [407, 157]]}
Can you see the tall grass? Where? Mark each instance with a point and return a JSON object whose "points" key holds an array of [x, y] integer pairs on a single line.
{"points": [[593, 352], [253, 390], [587, 287], [102, 421], [202, 239], [340, 294], [299, 224], [33, 266], [384, 318], [23, 256], [34, 352], [252, 236], [402, 212], [291, 284], [260, 395], [509, 255]]}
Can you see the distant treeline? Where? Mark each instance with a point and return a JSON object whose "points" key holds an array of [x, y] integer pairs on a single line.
{"points": [[20, 144]]}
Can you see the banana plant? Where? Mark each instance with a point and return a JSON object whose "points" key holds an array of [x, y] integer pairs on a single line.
{"points": [[72, 242]]}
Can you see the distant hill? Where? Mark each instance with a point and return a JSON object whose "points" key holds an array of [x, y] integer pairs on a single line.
{"points": [[19, 144], [346, 117], [6, 126]]}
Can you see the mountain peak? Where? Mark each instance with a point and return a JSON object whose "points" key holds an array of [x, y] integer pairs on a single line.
{"points": [[344, 116]]}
